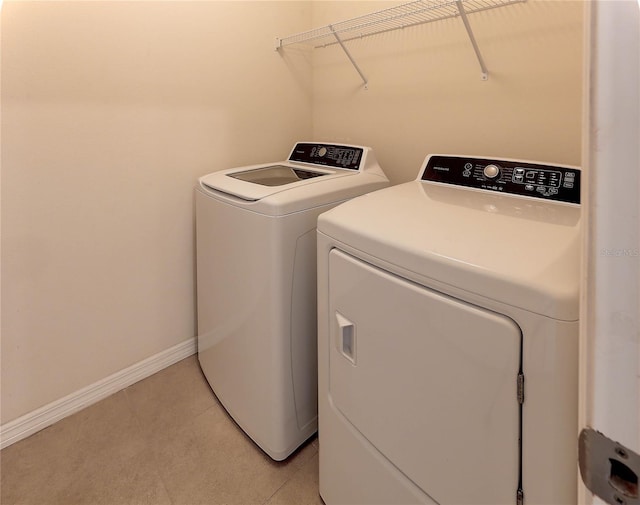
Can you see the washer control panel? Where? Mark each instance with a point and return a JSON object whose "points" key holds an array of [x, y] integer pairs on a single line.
{"points": [[506, 176], [328, 155]]}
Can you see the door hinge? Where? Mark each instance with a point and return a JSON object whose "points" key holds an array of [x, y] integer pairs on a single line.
{"points": [[520, 382]]}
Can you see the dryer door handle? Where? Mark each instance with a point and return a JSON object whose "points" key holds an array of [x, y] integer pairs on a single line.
{"points": [[346, 338]]}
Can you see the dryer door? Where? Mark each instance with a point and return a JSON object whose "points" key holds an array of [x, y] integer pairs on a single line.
{"points": [[429, 380]]}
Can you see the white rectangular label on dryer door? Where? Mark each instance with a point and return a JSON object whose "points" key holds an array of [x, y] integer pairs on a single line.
{"points": [[431, 383]]}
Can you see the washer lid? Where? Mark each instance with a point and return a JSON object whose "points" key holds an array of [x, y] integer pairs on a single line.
{"points": [[308, 164], [276, 175], [260, 181], [519, 251]]}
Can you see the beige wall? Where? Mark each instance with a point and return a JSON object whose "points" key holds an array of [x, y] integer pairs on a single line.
{"points": [[425, 93], [110, 110]]}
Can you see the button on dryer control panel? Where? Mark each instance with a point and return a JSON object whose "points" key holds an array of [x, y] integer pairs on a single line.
{"points": [[491, 171], [506, 176]]}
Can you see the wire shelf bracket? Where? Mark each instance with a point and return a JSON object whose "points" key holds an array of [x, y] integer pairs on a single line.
{"points": [[408, 14]]}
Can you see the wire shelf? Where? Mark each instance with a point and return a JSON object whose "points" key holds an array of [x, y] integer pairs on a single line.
{"points": [[402, 16]]}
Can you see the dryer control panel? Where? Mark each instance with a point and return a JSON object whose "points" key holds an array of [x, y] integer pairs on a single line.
{"points": [[328, 155], [524, 178]]}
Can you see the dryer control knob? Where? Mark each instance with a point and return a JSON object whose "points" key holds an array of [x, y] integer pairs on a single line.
{"points": [[491, 171]]}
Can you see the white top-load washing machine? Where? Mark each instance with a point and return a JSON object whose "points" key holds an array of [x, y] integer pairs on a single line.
{"points": [[256, 284], [448, 337]]}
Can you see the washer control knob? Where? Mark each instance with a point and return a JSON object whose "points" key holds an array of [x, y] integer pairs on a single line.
{"points": [[491, 171], [322, 151]]}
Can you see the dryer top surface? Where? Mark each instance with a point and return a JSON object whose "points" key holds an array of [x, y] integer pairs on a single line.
{"points": [[520, 251]]}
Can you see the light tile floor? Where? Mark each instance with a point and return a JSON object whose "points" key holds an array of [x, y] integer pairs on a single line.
{"points": [[163, 441]]}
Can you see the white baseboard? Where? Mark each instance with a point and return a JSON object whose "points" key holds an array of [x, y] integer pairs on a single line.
{"points": [[43, 417]]}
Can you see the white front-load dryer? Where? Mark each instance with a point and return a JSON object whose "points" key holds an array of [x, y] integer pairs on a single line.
{"points": [[448, 337], [256, 284]]}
